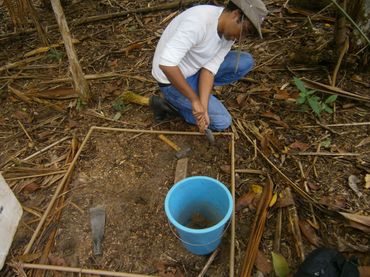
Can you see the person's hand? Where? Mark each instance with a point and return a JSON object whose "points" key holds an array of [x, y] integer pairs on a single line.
{"points": [[201, 115]]}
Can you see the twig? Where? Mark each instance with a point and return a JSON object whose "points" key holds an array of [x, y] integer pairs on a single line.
{"points": [[334, 90], [45, 149], [294, 224], [307, 190], [19, 63], [343, 51], [338, 125], [351, 20], [209, 262], [35, 176], [324, 154], [250, 171], [278, 228], [25, 131]]}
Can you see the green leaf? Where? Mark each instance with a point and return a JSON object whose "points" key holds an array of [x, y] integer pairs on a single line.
{"points": [[311, 92], [300, 85], [281, 266], [326, 143], [118, 105], [331, 99], [301, 99], [315, 105], [117, 116], [326, 108]]}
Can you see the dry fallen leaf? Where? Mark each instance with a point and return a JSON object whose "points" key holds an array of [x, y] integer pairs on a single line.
{"points": [[363, 142], [309, 233], [367, 181], [262, 263], [226, 168], [313, 186], [245, 200], [352, 182], [299, 145], [333, 203], [30, 187]]}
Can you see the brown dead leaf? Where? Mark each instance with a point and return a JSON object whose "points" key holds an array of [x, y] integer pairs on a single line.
{"points": [[240, 99], [282, 95], [309, 233], [333, 203], [54, 260], [262, 263], [299, 145], [280, 123], [245, 200], [284, 200], [23, 116], [271, 115], [313, 186], [30, 187], [362, 219], [226, 168], [57, 93], [28, 258]]}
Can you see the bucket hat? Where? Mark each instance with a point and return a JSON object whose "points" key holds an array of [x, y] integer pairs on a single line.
{"points": [[254, 10]]}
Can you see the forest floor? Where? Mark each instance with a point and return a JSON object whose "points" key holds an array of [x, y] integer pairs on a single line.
{"points": [[325, 160]]}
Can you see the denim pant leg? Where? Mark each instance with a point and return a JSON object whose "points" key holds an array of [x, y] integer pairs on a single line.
{"points": [[227, 73], [218, 115]]}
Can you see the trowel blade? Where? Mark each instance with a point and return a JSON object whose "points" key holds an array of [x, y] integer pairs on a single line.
{"points": [[97, 221]]}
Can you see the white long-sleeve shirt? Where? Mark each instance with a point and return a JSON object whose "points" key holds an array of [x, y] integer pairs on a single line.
{"points": [[191, 42]]}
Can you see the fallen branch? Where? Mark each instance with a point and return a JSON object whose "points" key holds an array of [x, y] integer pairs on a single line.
{"points": [[100, 76], [257, 230], [334, 90], [19, 63], [209, 262]]}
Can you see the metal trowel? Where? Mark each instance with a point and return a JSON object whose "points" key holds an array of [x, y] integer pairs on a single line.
{"points": [[97, 220], [210, 136]]}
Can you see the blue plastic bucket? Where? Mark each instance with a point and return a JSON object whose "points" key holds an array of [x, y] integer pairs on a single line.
{"points": [[203, 198]]}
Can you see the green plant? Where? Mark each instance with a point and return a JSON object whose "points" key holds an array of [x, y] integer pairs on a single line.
{"points": [[309, 97], [55, 54], [118, 106], [80, 104]]}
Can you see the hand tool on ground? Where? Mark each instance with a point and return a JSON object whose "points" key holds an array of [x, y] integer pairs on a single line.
{"points": [[97, 220], [210, 136], [180, 153]]}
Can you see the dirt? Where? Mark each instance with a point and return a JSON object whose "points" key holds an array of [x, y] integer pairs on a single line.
{"points": [[138, 236], [130, 175]]}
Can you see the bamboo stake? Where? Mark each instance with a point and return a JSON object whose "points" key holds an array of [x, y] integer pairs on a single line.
{"points": [[81, 270], [338, 125], [257, 230], [37, 175], [45, 149], [232, 242], [324, 154], [209, 262]]}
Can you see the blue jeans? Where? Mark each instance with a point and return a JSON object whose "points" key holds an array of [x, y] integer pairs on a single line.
{"points": [[220, 118]]}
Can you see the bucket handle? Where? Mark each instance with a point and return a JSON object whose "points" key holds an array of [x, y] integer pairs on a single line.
{"points": [[192, 244]]}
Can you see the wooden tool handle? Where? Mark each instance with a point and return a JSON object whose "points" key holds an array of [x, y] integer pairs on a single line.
{"points": [[169, 142]]}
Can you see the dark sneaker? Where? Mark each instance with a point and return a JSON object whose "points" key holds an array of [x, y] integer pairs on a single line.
{"points": [[161, 108]]}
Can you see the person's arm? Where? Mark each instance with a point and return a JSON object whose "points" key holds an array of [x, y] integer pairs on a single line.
{"points": [[206, 80], [177, 79]]}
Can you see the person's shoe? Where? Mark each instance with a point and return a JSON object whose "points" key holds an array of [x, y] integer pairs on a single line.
{"points": [[161, 108]]}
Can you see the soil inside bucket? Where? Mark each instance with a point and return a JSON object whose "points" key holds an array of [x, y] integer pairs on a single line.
{"points": [[199, 221]]}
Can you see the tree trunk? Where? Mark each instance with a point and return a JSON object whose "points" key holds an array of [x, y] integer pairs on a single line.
{"points": [[79, 81]]}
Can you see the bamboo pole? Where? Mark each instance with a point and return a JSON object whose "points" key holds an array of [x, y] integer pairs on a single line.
{"points": [[81, 270], [232, 242], [79, 81]]}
